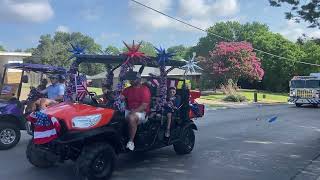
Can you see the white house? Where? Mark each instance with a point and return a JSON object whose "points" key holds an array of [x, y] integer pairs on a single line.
{"points": [[11, 57]]}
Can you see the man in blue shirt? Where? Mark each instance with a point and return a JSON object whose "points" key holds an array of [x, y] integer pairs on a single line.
{"points": [[55, 92]]}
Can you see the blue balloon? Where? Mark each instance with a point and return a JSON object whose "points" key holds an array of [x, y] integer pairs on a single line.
{"points": [[273, 119], [76, 50], [163, 56]]}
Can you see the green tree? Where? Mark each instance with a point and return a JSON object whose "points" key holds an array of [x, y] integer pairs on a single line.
{"points": [[308, 11], [148, 49], [2, 48], [180, 52], [112, 50], [231, 31], [311, 51], [277, 71], [54, 50]]}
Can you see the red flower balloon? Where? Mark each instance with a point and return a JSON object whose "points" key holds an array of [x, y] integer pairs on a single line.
{"points": [[133, 51]]}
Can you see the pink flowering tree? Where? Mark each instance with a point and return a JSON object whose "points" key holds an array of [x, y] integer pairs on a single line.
{"points": [[233, 60]]}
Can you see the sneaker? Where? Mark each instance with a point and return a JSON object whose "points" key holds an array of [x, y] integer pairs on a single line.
{"points": [[167, 133], [130, 145]]}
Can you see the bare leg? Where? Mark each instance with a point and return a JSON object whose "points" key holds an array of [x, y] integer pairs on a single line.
{"points": [[169, 116], [133, 124]]}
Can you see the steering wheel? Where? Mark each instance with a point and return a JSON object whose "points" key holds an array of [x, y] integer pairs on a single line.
{"points": [[92, 96]]}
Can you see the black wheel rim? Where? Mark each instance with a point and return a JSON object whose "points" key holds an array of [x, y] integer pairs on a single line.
{"points": [[101, 165]]}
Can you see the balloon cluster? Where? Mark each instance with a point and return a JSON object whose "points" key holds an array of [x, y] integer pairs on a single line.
{"points": [[133, 54], [163, 57], [191, 65], [71, 84]]}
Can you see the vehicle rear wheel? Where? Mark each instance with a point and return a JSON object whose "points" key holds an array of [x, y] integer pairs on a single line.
{"points": [[185, 146], [96, 162], [37, 159], [9, 135], [298, 104]]}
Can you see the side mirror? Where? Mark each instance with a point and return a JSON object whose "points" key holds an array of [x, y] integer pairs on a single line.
{"points": [[25, 79]]}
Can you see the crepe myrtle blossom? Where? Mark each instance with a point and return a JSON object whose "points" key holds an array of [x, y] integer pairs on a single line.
{"points": [[233, 60]]}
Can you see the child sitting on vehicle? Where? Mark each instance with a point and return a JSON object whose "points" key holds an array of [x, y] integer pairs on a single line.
{"points": [[107, 95], [173, 103]]}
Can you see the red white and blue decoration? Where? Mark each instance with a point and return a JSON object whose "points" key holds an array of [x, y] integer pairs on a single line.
{"points": [[81, 87], [163, 57], [46, 127], [71, 85], [191, 65], [133, 54]]}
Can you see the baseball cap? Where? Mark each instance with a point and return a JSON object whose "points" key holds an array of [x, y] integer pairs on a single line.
{"points": [[132, 75]]}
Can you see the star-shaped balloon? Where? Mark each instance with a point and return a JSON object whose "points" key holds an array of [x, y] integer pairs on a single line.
{"points": [[191, 65], [76, 50], [163, 56], [133, 51]]}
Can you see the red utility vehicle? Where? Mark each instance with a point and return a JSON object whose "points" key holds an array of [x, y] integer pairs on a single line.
{"points": [[92, 135]]}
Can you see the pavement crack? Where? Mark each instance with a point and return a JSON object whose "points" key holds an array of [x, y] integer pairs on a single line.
{"points": [[305, 167]]}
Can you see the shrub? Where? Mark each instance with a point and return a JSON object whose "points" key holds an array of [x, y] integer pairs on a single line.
{"points": [[235, 98], [230, 88]]}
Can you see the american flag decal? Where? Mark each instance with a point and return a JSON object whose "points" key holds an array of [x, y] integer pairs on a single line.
{"points": [[81, 87], [6, 90], [46, 127]]}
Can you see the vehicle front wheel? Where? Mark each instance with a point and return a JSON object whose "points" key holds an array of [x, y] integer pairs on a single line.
{"points": [[186, 144], [37, 159], [298, 104], [9, 135], [96, 162]]}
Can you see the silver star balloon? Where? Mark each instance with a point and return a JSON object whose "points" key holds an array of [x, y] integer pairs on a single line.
{"points": [[191, 65]]}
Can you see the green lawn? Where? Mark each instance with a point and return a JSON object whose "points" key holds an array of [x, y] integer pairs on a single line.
{"points": [[270, 97], [96, 90]]}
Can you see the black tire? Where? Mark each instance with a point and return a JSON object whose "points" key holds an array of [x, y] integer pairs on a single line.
{"points": [[9, 135], [298, 104], [186, 144], [96, 162], [37, 159]]}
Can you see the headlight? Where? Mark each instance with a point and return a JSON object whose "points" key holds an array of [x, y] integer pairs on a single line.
{"points": [[292, 93], [86, 121]]}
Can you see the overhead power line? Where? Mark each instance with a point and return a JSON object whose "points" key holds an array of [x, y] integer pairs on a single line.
{"points": [[221, 37]]}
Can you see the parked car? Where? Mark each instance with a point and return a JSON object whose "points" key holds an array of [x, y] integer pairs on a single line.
{"points": [[12, 118]]}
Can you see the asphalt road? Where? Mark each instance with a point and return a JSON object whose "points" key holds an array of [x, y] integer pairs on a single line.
{"points": [[231, 144]]}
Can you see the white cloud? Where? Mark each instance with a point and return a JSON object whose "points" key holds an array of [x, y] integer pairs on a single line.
{"points": [[207, 9], [145, 17], [25, 10], [105, 36], [293, 31], [92, 14], [62, 28], [201, 13], [314, 34]]}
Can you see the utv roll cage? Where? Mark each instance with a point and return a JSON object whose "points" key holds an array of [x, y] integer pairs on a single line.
{"points": [[115, 61], [27, 67]]}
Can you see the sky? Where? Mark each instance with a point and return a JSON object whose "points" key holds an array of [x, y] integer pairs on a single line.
{"points": [[110, 22]]}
